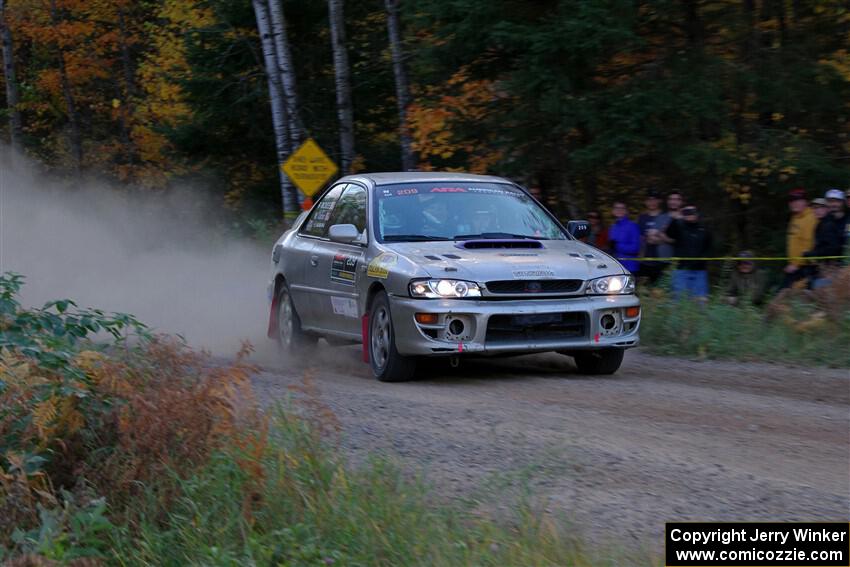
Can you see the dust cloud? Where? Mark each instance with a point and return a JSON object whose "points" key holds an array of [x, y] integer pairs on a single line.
{"points": [[162, 257]]}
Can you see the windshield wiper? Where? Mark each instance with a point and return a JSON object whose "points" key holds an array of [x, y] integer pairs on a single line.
{"points": [[494, 235], [412, 237]]}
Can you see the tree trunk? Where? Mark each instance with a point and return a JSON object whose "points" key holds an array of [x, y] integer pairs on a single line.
{"points": [[287, 192], [128, 91], [286, 71], [402, 91], [70, 103], [343, 85], [12, 98]]}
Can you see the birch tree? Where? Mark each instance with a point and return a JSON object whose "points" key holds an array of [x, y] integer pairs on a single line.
{"points": [[343, 85], [402, 91], [286, 72], [289, 197], [12, 99]]}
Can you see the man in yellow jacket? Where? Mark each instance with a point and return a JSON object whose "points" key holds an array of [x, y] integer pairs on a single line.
{"points": [[801, 236]]}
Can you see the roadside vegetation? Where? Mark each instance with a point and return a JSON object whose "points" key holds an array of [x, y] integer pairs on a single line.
{"points": [[796, 327], [132, 449]]}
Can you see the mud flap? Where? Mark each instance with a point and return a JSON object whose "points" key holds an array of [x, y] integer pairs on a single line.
{"points": [[364, 334]]}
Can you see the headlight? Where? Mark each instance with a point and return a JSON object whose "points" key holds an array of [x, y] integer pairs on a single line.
{"points": [[436, 289], [611, 285]]}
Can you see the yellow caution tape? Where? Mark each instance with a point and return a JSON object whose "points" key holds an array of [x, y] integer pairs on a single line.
{"points": [[725, 258]]}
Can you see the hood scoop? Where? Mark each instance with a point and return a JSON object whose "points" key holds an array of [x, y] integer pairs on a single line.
{"points": [[499, 243]]}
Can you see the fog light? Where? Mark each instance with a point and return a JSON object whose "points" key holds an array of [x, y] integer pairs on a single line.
{"points": [[608, 322], [427, 318], [456, 327], [632, 312]]}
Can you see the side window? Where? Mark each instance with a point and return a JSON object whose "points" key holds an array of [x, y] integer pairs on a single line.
{"points": [[317, 224], [351, 208]]}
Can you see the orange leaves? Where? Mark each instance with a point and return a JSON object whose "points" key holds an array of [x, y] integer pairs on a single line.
{"points": [[440, 118]]}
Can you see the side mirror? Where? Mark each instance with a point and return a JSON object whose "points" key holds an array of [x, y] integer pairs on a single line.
{"points": [[345, 233], [578, 228]]}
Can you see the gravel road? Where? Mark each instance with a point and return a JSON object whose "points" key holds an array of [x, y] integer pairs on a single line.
{"points": [[662, 440]]}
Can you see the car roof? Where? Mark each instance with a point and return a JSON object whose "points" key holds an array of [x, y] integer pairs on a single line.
{"points": [[388, 178]]}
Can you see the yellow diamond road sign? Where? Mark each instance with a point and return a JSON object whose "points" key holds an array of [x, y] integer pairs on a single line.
{"points": [[309, 167]]}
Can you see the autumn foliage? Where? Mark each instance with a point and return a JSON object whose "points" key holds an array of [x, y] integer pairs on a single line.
{"points": [[587, 101], [88, 419]]}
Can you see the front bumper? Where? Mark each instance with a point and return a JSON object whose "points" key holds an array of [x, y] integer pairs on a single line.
{"points": [[514, 326]]}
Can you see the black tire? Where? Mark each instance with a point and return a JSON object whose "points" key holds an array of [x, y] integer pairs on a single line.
{"points": [[603, 361], [387, 364], [291, 339]]}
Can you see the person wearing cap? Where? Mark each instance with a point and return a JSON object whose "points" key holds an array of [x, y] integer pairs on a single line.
{"points": [[748, 282], [691, 239], [800, 237], [835, 201], [829, 234], [652, 224], [624, 237]]}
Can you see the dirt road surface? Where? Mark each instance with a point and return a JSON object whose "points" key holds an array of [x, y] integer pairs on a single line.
{"points": [[662, 440]]}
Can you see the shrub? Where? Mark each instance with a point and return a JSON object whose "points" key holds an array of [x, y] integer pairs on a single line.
{"points": [[124, 447], [798, 326], [112, 416]]}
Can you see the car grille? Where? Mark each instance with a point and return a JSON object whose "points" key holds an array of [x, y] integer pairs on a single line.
{"points": [[534, 286], [536, 327]]}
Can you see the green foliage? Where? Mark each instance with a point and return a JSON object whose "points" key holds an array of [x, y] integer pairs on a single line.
{"points": [[67, 532], [177, 467], [49, 339], [312, 509], [718, 330], [602, 99]]}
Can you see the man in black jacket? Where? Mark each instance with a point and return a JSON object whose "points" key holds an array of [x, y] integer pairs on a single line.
{"points": [[691, 239], [829, 240]]}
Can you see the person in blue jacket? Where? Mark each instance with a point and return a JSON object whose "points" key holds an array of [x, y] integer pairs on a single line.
{"points": [[624, 237]]}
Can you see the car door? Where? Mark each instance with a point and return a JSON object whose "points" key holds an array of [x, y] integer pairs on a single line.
{"points": [[334, 267], [298, 270]]}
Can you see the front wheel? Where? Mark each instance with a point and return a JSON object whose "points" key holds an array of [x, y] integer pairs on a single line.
{"points": [[387, 364], [602, 361]]}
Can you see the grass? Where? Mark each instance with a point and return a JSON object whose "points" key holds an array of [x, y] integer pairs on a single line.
{"points": [[313, 510], [140, 451], [797, 327]]}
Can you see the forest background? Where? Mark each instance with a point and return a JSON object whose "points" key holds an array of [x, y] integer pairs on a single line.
{"points": [[732, 102]]}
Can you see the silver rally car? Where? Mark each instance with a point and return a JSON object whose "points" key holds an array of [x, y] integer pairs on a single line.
{"points": [[444, 264]]}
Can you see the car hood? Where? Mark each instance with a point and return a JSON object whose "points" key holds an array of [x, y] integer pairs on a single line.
{"points": [[509, 259]]}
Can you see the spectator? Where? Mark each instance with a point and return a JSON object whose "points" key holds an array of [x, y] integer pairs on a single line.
{"points": [[624, 237], [652, 224], [847, 231], [690, 240], [835, 201], [598, 234], [829, 234], [801, 236], [748, 283], [674, 204]]}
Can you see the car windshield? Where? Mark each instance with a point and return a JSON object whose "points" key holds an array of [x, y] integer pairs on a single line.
{"points": [[413, 212]]}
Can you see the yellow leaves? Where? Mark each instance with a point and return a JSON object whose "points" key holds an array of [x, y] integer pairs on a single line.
{"points": [[88, 360], [56, 418], [43, 415]]}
